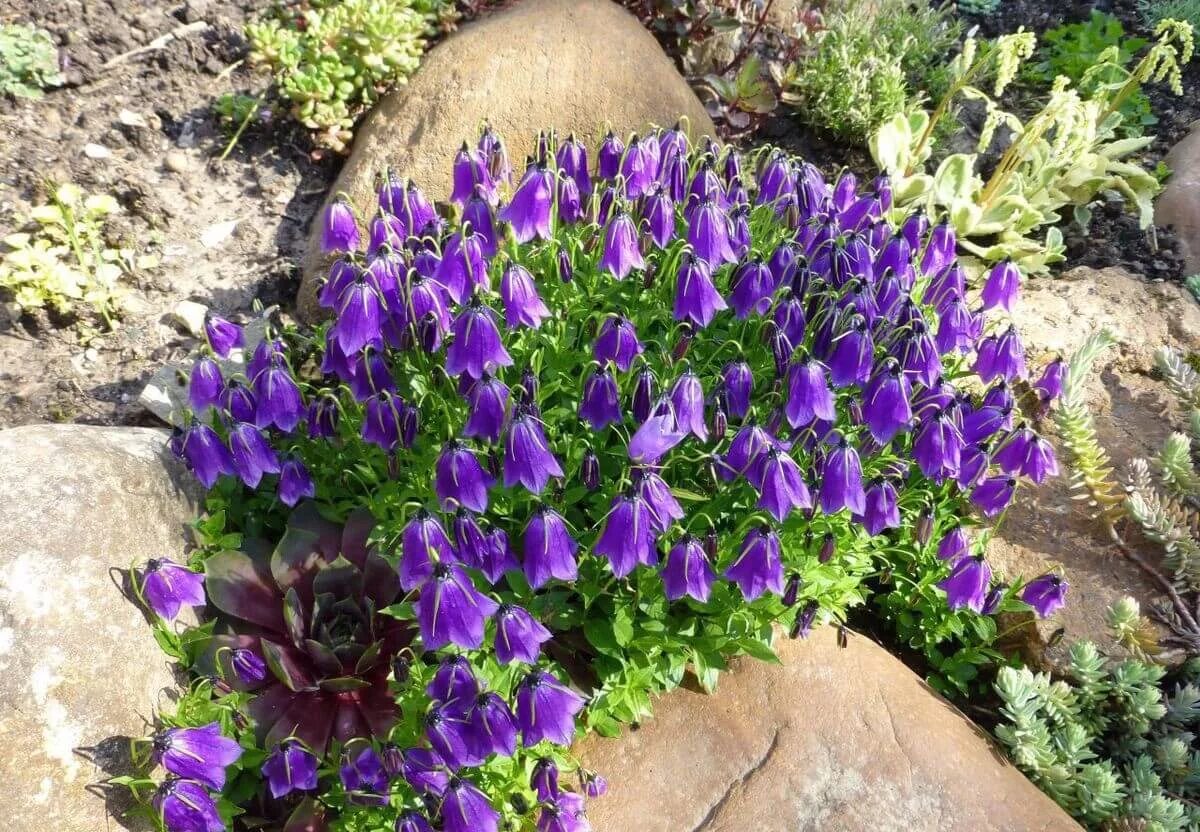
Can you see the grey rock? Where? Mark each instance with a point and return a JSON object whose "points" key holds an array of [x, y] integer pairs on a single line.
{"points": [[80, 672]]}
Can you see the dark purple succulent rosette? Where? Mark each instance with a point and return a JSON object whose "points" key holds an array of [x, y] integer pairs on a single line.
{"points": [[311, 608]]}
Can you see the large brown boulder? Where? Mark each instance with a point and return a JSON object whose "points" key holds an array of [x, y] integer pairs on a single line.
{"points": [[579, 66], [834, 739], [1179, 203], [1047, 527], [80, 672]]}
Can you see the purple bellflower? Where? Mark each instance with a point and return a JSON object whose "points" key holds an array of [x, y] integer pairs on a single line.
{"points": [[451, 611], [696, 298], [167, 587], [466, 809], [200, 754], [527, 456], [519, 636], [617, 342], [758, 567], [687, 571], [1046, 594], [601, 404], [628, 537], [548, 549], [546, 709], [621, 253], [530, 209], [967, 584], [476, 349], [290, 767], [186, 806], [460, 480]]}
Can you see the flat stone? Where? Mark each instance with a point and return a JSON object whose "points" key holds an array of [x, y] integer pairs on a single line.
{"points": [[80, 672], [1047, 527], [577, 66], [1179, 203], [834, 738]]}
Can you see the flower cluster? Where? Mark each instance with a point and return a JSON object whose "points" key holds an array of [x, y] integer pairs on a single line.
{"points": [[647, 408]]}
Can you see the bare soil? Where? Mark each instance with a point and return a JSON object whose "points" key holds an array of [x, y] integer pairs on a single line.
{"points": [[151, 111]]}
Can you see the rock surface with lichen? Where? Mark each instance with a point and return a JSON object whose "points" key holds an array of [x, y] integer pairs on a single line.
{"points": [[80, 671]]}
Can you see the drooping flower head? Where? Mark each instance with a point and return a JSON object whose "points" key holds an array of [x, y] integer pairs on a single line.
{"points": [[168, 587], [186, 806], [758, 567], [967, 584], [617, 342], [290, 767], [621, 252], [477, 349], [200, 754], [546, 709], [687, 571], [1046, 594], [530, 209], [528, 459], [339, 227]]}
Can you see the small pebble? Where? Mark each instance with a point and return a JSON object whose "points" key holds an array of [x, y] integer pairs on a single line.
{"points": [[175, 161]]}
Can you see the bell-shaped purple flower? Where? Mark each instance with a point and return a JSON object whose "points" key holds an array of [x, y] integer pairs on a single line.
{"points": [[252, 455], [411, 820], [462, 267], [954, 544], [572, 161], [882, 508], [492, 728], [167, 587], [565, 814], [449, 733], [381, 420], [617, 342], [655, 438], [738, 384], [1046, 594], [476, 349], [1002, 287], [205, 454], [451, 611], [621, 253], [222, 335], [339, 229], [759, 566], [993, 494], [546, 710], [295, 483], [363, 777], [781, 485], [487, 400], [752, 288], [608, 160], [808, 396], [470, 170], [601, 403], [841, 481], [290, 767], [185, 806], [359, 317], [687, 571], [659, 215], [939, 250], [696, 298], [519, 636], [1050, 384], [466, 809], [205, 384], [530, 209], [548, 549], [967, 584], [708, 235], [687, 398], [853, 354], [1000, 356], [460, 480], [424, 544], [278, 400], [656, 494], [200, 754], [522, 305], [958, 328], [628, 537], [237, 402], [454, 684], [249, 667], [938, 447], [527, 456], [645, 386], [886, 405]]}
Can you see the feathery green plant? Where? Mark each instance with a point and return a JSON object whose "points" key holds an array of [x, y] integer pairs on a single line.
{"points": [[1114, 744]]}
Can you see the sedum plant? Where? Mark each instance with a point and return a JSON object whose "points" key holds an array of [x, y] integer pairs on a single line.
{"points": [[28, 61], [65, 261], [1161, 496], [1061, 157], [1155, 10], [1114, 743], [333, 58], [608, 427], [981, 8]]}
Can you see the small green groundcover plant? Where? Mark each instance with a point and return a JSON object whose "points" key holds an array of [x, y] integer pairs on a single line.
{"points": [[870, 61], [28, 61], [554, 452], [331, 59], [65, 261], [1155, 10], [1073, 49], [1114, 743]]}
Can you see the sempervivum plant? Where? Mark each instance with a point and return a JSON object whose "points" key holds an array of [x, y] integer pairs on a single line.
{"points": [[612, 423], [301, 627]]}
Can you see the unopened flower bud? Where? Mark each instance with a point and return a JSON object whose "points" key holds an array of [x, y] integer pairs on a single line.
{"points": [[401, 667], [710, 545], [802, 626], [828, 547], [643, 395], [924, 526], [792, 591], [428, 332], [566, 272], [589, 471]]}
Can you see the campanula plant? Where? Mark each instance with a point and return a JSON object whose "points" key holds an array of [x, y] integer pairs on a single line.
{"points": [[595, 427]]}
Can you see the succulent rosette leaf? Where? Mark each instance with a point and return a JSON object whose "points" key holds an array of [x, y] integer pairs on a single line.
{"points": [[311, 608]]}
